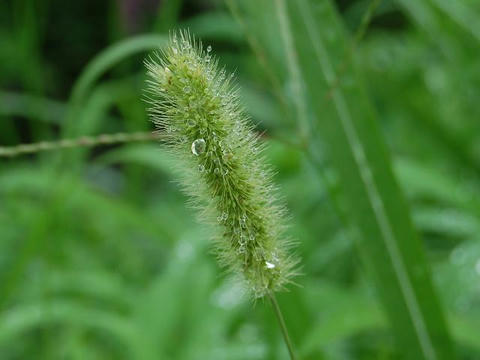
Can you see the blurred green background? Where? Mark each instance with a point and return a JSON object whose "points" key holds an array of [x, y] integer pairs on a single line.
{"points": [[100, 258]]}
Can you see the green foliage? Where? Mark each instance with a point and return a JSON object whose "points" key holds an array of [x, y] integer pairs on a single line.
{"points": [[100, 258]]}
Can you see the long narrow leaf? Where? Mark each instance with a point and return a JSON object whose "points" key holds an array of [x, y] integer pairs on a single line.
{"points": [[343, 125], [376, 207]]}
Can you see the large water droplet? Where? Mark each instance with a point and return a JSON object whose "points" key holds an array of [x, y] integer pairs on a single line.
{"points": [[198, 147], [209, 48]]}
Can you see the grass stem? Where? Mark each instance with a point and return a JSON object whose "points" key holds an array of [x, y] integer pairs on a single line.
{"points": [[283, 326]]}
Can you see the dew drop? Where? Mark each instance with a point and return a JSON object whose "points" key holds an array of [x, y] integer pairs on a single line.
{"points": [[198, 147], [242, 241], [201, 168], [209, 48], [252, 237], [243, 220], [187, 89], [225, 172], [269, 265], [216, 171]]}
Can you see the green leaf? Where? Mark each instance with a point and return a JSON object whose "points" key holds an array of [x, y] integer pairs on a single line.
{"points": [[375, 205], [105, 60], [343, 125], [110, 57]]}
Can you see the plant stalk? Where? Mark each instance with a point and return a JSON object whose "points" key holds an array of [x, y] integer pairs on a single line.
{"points": [[84, 141], [283, 326]]}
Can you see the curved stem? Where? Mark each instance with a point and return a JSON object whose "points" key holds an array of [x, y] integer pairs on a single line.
{"points": [[282, 324]]}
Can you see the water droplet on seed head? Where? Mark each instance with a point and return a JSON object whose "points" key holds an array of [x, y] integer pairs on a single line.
{"points": [[198, 147]]}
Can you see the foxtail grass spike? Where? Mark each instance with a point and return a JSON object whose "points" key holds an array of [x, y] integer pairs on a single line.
{"points": [[195, 104]]}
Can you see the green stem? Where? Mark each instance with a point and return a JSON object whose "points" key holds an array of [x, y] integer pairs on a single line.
{"points": [[85, 141], [283, 326]]}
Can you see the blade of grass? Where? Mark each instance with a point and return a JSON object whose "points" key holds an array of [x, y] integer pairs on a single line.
{"points": [[103, 62], [463, 15], [345, 128], [110, 57], [283, 326], [376, 207]]}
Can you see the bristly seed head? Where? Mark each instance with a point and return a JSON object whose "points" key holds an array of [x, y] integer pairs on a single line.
{"points": [[195, 104]]}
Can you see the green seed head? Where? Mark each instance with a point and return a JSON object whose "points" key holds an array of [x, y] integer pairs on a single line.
{"points": [[195, 104]]}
